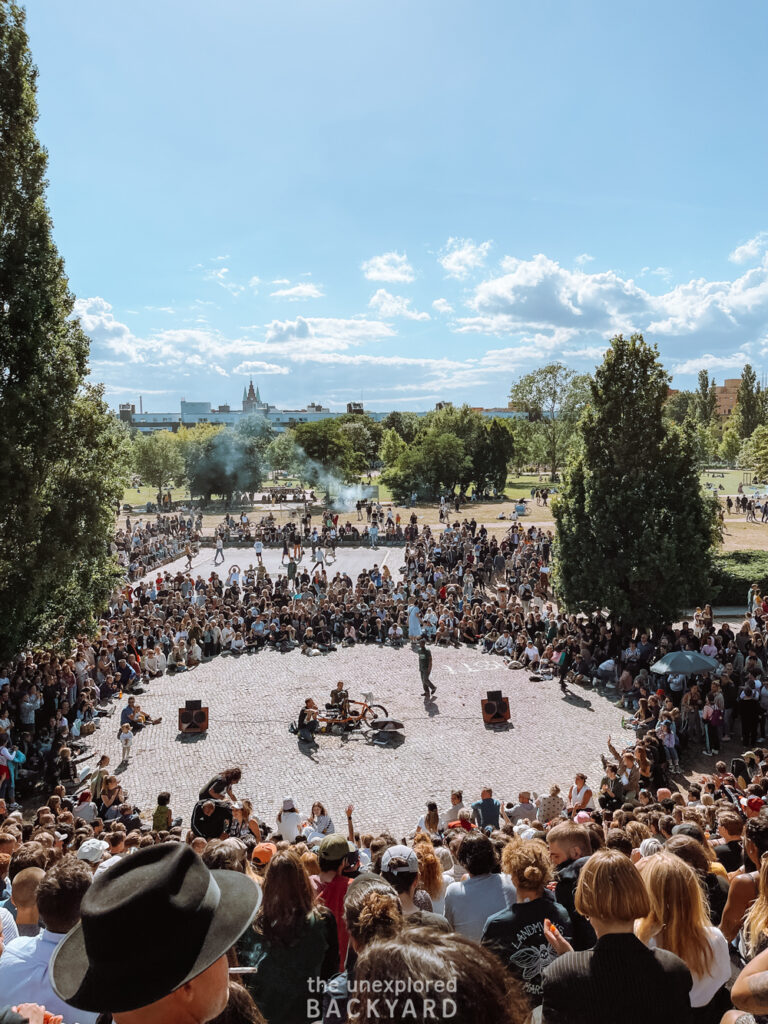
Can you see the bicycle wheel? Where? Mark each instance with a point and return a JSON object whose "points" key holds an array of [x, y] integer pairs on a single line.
{"points": [[374, 711]]}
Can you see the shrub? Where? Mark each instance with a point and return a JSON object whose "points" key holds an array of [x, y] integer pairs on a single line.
{"points": [[733, 574]]}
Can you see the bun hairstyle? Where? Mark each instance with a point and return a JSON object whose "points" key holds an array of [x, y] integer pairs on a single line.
{"points": [[527, 862], [372, 912]]}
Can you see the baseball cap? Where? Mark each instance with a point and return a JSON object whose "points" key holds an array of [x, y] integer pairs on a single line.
{"points": [[754, 803], [335, 847], [263, 853], [405, 853], [92, 850]]}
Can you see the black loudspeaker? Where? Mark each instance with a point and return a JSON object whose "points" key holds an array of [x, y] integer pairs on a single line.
{"points": [[193, 720], [495, 708], [195, 705]]}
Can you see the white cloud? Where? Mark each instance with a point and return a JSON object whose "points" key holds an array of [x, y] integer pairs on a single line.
{"points": [[736, 361], [160, 309], [583, 259], [390, 266], [219, 259], [254, 282], [299, 292], [221, 278], [387, 305], [281, 280], [442, 306], [254, 366], [461, 256], [751, 250], [663, 272]]}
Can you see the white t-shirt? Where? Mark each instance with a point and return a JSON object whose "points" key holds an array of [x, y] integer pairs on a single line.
{"points": [[705, 987], [289, 825]]}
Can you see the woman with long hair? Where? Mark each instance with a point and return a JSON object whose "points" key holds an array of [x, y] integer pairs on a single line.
{"points": [[755, 929], [678, 922], [430, 872], [291, 941], [430, 822]]}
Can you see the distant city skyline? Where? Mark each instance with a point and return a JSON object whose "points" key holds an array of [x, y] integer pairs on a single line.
{"points": [[261, 191]]}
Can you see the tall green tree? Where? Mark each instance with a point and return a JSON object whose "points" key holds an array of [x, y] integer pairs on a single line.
{"points": [[158, 460], [706, 399], [492, 456], [407, 424], [730, 443], [748, 413], [635, 531], [553, 396], [283, 454], [63, 458], [392, 447], [753, 453], [679, 404]]}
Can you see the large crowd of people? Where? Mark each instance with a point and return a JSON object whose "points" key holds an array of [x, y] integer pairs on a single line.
{"points": [[548, 908], [583, 903]]}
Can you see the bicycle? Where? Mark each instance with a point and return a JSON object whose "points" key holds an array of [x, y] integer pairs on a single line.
{"points": [[367, 714]]}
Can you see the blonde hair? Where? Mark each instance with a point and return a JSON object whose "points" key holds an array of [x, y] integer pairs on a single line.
{"points": [[678, 916], [527, 863], [756, 921], [610, 888]]}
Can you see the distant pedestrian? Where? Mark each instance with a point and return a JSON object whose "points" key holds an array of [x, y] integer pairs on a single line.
{"points": [[425, 668], [219, 549]]}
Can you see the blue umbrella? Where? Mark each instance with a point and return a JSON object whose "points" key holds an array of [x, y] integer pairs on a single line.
{"points": [[684, 663]]}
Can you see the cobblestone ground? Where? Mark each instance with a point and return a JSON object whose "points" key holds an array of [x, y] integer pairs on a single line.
{"points": [[253, 698]]}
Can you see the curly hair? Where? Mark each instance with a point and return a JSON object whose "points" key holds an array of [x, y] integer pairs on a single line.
{"points": [[527, 863], [372, 912]]}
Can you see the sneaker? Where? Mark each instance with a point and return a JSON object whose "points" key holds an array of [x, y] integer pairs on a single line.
{"points": [[715, 752], [707, 753]]}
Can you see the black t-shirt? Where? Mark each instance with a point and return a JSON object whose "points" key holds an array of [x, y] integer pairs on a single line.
{"points": [[211, 826], [516, 936], [215, 790], [730, 854]]}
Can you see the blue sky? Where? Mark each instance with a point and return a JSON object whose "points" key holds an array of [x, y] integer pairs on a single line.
{"points": [[409, 201]]}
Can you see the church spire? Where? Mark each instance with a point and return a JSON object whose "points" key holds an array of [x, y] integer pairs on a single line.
{"points": [[252, 394]]}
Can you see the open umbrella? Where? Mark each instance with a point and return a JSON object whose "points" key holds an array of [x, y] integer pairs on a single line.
{"points": [[684, 663]]}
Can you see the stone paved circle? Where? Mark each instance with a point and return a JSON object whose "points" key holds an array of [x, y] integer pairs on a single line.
{"points": [[253, 698]]}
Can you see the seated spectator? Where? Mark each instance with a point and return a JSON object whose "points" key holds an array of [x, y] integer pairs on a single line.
{"points": [[678, 921], [400, 868], [460, 981], [469, 903], [516, 935], [25, 966], [620, 979], [24, 899], [160, 900], [291, 942]]}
